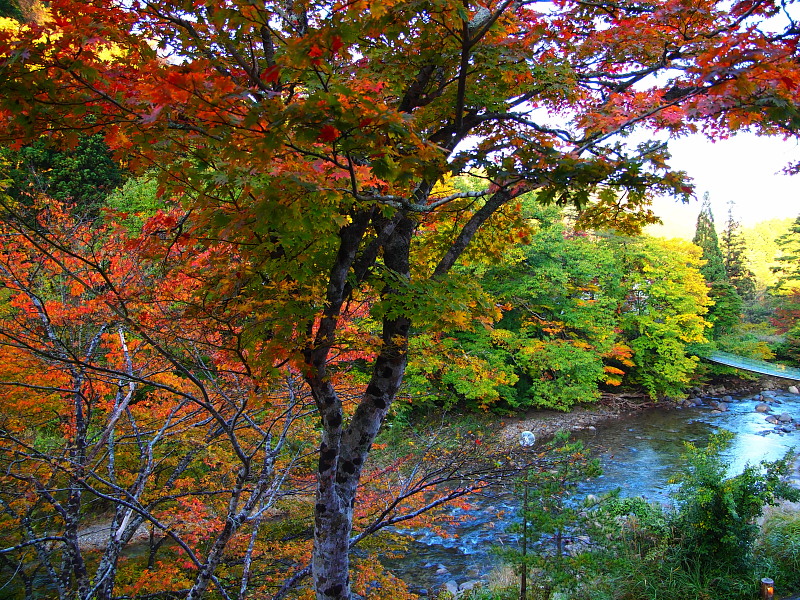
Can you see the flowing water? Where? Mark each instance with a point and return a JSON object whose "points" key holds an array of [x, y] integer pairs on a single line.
{"points": [[638, 454]]}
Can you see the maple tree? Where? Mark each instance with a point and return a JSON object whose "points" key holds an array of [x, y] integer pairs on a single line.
{"points": [[308, 137], [113, 395], [120, 390]]}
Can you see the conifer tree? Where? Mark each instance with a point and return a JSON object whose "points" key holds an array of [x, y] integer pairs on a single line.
{"points": [[83, 176], [734, 252], [727, 303], [705, 236], [788, 268], [8, 8]]}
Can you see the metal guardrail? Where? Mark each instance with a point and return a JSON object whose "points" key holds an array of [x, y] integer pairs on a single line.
{"points": [[754, 365]]}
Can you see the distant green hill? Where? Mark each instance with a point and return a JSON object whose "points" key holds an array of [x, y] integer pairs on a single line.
{"points": [[762, 249]]}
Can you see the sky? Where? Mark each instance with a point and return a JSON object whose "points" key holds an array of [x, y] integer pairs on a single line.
{"points": [[744, 169]]}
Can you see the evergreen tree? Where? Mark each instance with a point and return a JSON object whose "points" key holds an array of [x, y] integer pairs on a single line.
{"points": [[30, 11], [83, 176], [734, 252], [551, 517], [725, 312], [788, 268], [705, 236]]}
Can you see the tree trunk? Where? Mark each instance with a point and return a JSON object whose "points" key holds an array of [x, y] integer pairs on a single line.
{"points": [[344, 449]]}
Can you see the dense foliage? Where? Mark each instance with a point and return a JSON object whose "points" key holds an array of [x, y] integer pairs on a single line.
{"points": [[83, 176], [581, 313]]}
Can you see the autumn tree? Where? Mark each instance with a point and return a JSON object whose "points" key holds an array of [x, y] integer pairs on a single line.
{"points": [[559, 293], [309, 136], [664, 313], [763, 249], [126, 401], [786, 290], [789, 257], [114, 395], [582, 312]]}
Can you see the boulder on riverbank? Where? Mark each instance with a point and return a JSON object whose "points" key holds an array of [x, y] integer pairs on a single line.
{"points": [[452, 589]]}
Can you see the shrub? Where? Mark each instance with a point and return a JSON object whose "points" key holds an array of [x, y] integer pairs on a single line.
{"points": [[778, 548], [716, 514]]}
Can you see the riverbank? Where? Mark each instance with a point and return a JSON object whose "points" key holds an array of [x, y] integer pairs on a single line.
{"points": [[614, 407]]}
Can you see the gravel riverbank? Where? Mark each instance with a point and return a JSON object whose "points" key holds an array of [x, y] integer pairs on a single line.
{"points": [[613, 407], [544, 423]]}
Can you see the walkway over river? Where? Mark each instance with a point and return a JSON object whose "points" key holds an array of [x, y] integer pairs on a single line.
{"points": [[754, 365]]}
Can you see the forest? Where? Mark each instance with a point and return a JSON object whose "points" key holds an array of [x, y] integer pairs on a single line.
{"points": [[272, 272]]}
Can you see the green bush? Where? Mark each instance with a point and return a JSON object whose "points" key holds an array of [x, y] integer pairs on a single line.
{"points": [[717, 515], [778, 549]]}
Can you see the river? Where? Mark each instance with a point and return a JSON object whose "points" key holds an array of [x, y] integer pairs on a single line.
{"points": [[638, 454]]}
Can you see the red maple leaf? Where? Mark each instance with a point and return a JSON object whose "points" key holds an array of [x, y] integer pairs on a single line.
{"points": [[271, 75], [328, 133]]}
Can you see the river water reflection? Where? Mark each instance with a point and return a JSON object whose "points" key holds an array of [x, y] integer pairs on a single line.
{"points": [[639, 454]]}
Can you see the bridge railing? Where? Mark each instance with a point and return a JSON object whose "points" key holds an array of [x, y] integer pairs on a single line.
{"points": [[753, 364]]}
